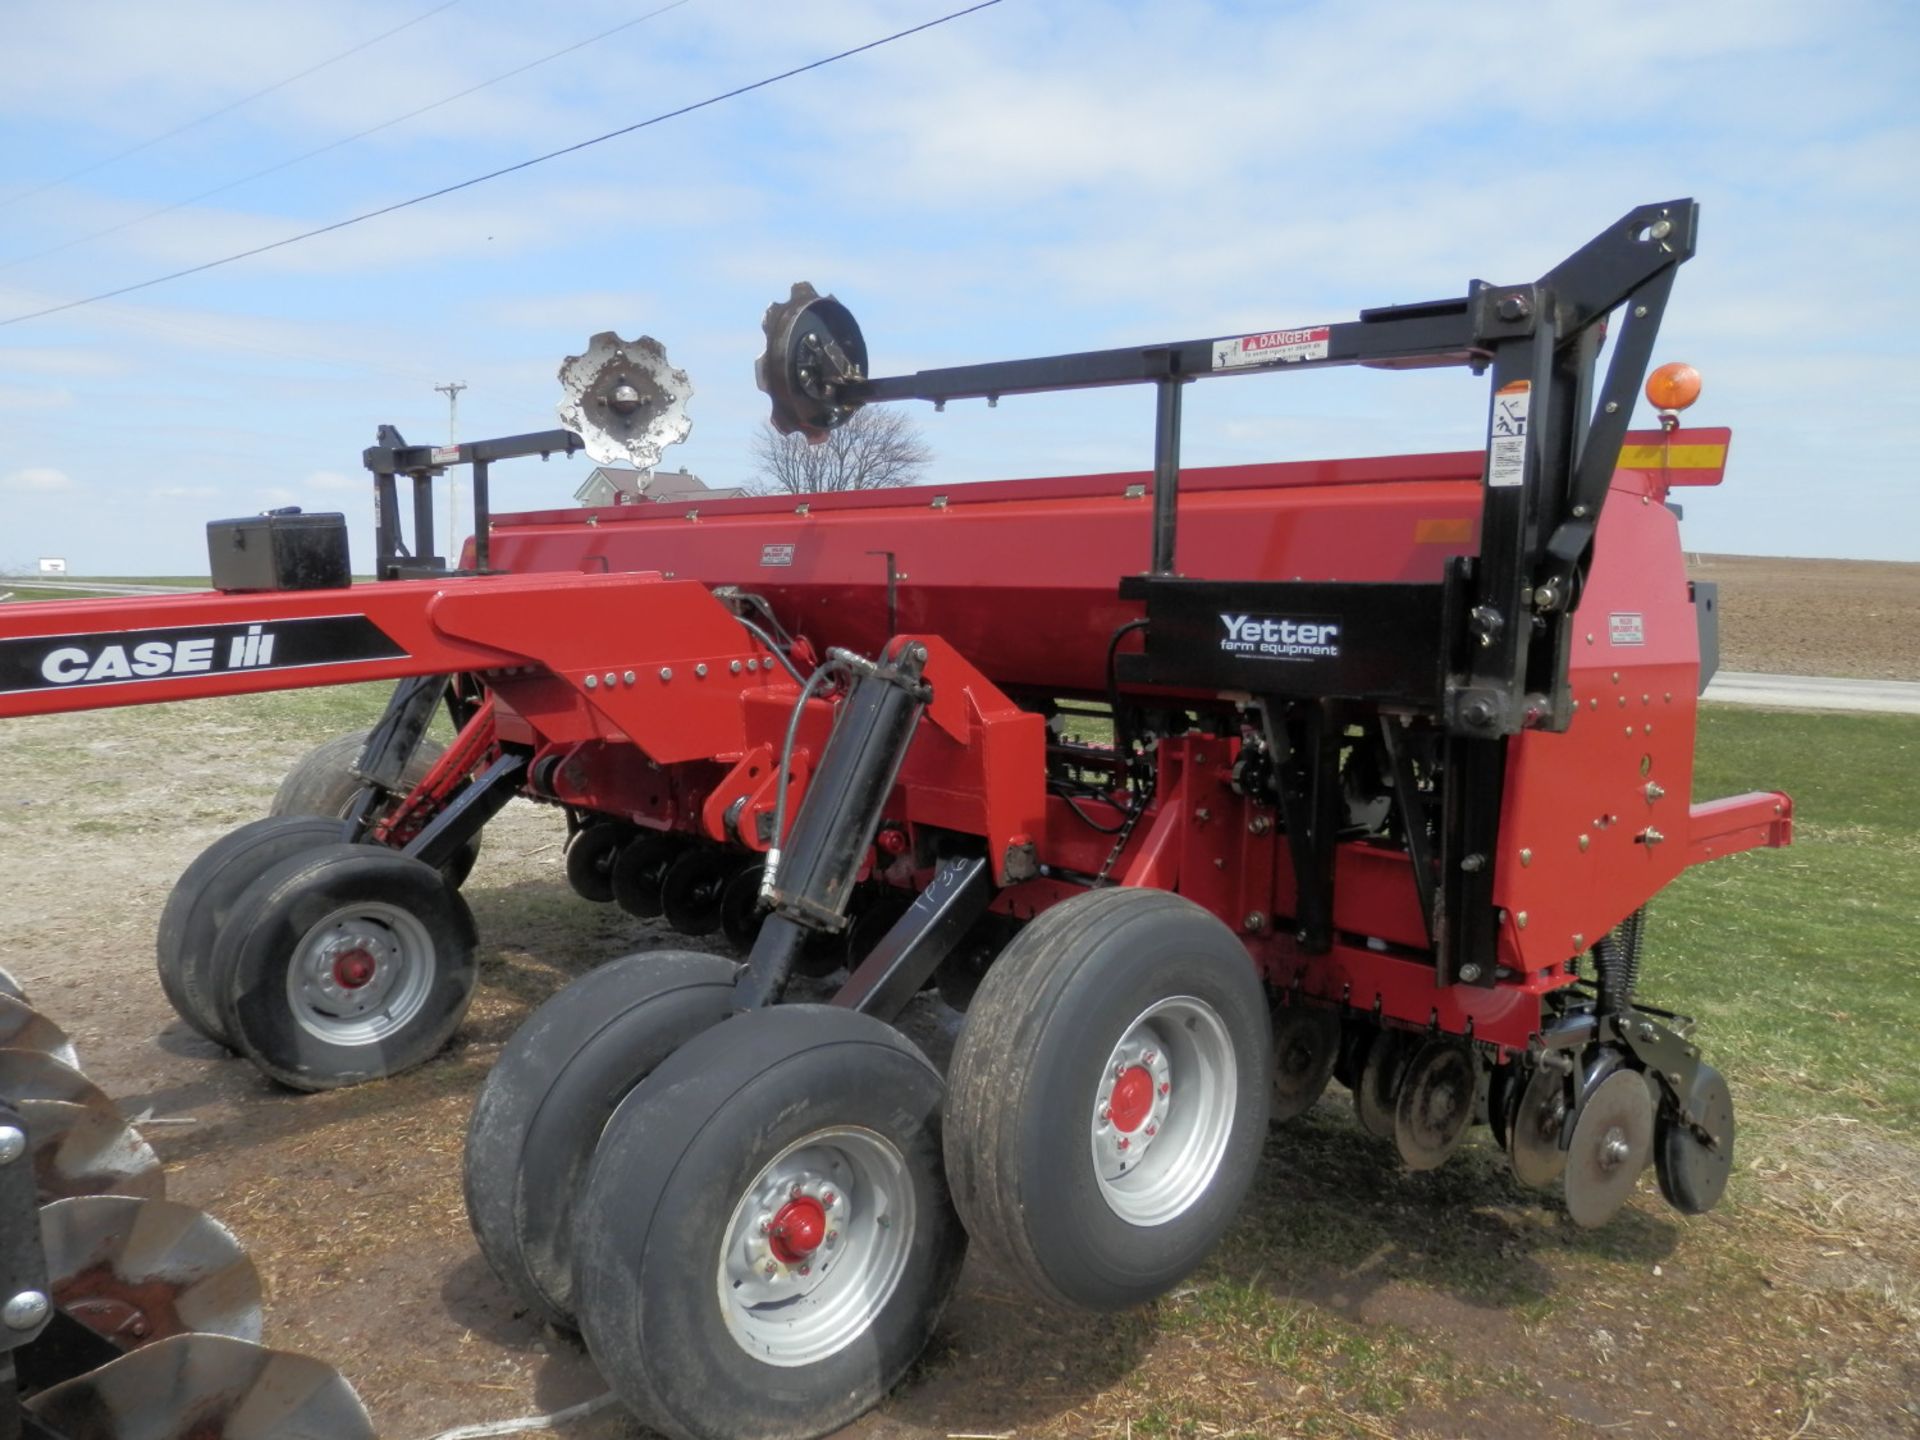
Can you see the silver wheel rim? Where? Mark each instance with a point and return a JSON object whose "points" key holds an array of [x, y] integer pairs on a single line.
{"points": [[361, 974], [816, 1247], [1163, 1111]]}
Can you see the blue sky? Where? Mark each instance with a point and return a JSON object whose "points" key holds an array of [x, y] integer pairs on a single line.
{"points": [[1046, 175]]}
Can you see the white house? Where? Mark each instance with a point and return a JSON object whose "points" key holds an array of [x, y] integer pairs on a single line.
{"points": [[615, 485]]}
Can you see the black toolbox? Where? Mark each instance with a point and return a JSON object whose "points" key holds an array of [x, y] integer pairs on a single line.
{"points": [[280, 550]]}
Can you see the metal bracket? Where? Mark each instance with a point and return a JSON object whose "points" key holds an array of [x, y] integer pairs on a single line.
{"points": [[912, 950], [468, 811]]}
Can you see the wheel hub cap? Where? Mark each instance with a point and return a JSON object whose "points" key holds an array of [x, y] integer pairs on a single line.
{"points": [[1132, 1099], [797, 1230], [353, 969]]}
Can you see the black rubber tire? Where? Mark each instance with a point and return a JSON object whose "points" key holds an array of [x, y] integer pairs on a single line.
{"points": [[1027, 1065], [590, 856], [672, 1165], [547, 1098], [256, 947], [323, 783], [641, 869], [204, 896]]}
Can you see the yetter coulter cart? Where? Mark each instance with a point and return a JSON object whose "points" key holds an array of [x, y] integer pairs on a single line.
{"points": [[1194, 790]]}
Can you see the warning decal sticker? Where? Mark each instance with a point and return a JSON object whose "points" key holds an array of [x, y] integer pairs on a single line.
{"points": [[1626, 628], [776, 554], [1271, 347], [1507, 442]]}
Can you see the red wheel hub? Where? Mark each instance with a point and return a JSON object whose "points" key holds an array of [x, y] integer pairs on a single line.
{"points": [[1132, 1099], [352, 969], [797, 1230]]}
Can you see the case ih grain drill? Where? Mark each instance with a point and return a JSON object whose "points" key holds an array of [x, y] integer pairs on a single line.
{"points": [[1193, 789]]}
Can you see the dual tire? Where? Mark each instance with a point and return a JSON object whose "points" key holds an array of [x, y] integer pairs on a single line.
{"points": [[324, 963]]}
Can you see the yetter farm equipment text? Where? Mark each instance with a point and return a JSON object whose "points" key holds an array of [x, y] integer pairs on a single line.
{"points": [[1192, 789]]}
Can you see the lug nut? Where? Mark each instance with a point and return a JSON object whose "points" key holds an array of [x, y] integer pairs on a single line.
{"points": [[772, 1269], [827, 1198], [1165, 1088], [1124, 1143], [806, 1269], [1152, 1130]]}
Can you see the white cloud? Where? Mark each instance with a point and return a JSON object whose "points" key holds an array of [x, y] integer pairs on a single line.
{"points": [[36, 479]]}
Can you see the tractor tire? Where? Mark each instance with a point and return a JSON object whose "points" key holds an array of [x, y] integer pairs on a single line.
{"points": [[590, 856], [324, 784], [1107, 1100], [547, 1098], [823, 1127], [345, 964], [204, 896]]}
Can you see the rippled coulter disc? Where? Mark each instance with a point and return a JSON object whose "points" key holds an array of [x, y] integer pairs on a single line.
{"points": [[87, 1149], [207, 1387], [24, 1028], [136, 1271]]}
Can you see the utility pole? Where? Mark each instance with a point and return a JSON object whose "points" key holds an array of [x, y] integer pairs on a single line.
{"points": [[452, 391]]}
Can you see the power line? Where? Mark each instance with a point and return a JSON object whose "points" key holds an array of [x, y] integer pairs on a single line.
{"points": [[344, 140], [228, 108], [651, 120]]}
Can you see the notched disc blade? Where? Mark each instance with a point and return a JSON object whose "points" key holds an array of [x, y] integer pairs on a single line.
{"points": [[36, 1075], [1612, 1140], [87, 1149], [1533, 1128], [1693, 1164], [692, 889], [813, 345], [10, 987], [740, 912], [1435, 1105], [1379, 1089], [207, 1387], [24, 1028], [625, 400], [1501, 1099], [138, 1271], [1306, 1043]]}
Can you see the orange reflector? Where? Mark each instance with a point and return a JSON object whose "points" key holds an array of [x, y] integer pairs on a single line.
{"points": [[1443, 532], [1674, 386]]}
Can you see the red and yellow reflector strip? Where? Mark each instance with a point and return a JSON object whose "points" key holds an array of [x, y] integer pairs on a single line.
{"points": [[1686, 457]]}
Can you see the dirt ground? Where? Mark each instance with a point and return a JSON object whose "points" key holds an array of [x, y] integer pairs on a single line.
{"points": [[1354, 1298], [1858, 619]]}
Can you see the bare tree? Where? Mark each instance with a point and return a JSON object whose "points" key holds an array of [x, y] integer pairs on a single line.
{"points": [[877, 449]]}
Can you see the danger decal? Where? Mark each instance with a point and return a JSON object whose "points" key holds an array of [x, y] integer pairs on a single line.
{"points": [[1272, 347], [122, 657]]}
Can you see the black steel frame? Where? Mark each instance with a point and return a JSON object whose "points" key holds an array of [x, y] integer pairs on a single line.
{"points": [[1504, 645]]}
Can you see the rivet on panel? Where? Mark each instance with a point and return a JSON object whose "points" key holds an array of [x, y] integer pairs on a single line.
{"points": [[666, 672], [629, 677], [1520, 919], [1584, 842], [593, 682], [1526, 857], [701, 670], [735, 667]]}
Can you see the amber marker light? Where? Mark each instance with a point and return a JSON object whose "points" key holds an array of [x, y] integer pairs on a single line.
{"points": [[1674, 386]]}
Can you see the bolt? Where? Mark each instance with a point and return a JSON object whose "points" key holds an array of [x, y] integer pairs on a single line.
{"points": [[1579, 941], [752, 665], [1478, 711], [1203, 813], [1473, 864], [1514, 307], [700, 670], [1584, 842], [1149, 1056], [828, 1198], [764, 1227], [1256, 921], [1119, 1068], [666, 672], [772, 1269], [1640, 312], [25, 1310], [1124, 1143], [1166, 1088], [1526, 857], [629, 678], [833, 1237], [806, 1269], [1106, 1113], [1520, 919], [1654, 791], [1152, 1130], [1469, 972], [1259, 825], [13, 1143], [593, 682], [734, 667], [1613, 406], [1580, 513]]}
